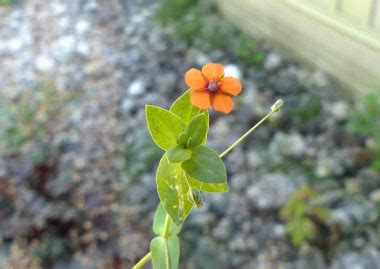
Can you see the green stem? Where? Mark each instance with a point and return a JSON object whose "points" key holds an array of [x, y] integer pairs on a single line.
{"points": [[148, 256], [165, 233], [224, 153], [143, 261]]}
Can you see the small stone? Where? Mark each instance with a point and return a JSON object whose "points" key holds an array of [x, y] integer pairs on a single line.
{"points": [[201, 59], [44, 63], [232, 70], [369, 258], [64, 22], [272, 61], [375, 196], [83, 48], [310, 258], [339, 110], [136, 88], [14, 45], [279, 230], [287, 145], [254, 159], [353, 213], [222, 230], [328, 165], [64, 46], [82, 26], [319, 79], [271, 192]]}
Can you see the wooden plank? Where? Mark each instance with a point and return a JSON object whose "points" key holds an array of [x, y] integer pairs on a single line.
{"points": [[377, 16], [357, 10], [353, 58]]}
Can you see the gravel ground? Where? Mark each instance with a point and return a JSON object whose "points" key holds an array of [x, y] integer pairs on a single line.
{"points": [[115, 58]]}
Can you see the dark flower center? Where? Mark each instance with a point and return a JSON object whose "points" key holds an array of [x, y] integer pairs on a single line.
{"points": [[213, 86]]}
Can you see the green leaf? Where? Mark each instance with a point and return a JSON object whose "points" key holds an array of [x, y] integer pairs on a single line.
{"points": [[205, 166], [208, 187], [172, 190], [159, 222], [197, 130], [178, 154], [165, 252], [164, 126], [183, 138], [183, 108]]}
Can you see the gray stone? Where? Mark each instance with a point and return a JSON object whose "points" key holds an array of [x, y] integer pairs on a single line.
{"points": [[287, 145], [223, 229], [64, 47], [231, 70], [353, 213], [375, 196], [339, 110], [271, 192], [272, 61], [208, 255], [328, 164], [136, 88], [82, 27], [367, 259], [44, 63], [310, 258]]}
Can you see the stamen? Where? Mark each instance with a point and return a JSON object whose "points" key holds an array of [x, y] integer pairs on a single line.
{"points": [[213, 86]]}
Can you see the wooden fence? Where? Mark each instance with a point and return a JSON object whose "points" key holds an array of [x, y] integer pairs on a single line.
{"points": [[341, 37]]}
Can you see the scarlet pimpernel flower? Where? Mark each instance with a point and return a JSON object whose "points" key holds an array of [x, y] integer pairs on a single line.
{"points": [[210, 88]]}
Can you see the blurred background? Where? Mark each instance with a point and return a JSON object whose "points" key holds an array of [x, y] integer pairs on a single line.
{"points": [[77, 165]]}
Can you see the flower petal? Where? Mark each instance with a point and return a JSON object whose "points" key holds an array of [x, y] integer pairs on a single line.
{"points": [[200, 99], [222, 103], [195, 80], [230, 86], [213, 71]]}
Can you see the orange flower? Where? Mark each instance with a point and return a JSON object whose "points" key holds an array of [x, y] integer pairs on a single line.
{"points": [[209, 87]]}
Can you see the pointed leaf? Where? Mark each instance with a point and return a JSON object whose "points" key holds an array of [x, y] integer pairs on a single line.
{"points": [[183, 139], [165, 252], [164, 126], [159, 222], [196, 130], [205, 166], [183, 108], [178, 154], [172, 190]]}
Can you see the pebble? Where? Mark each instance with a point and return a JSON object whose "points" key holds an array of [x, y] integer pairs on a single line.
{"points": [[271, 191], [44, 63], [231, 70], [136, 88], [272, 61]]}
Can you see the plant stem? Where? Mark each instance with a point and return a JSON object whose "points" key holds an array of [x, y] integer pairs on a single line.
{"points": [[246, 134], [165, 233], [148, 256], [143, 261]]}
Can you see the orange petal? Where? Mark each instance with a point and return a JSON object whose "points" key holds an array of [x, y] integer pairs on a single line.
{"points": [[195, 80], [222, 103], [200, 99], [230, 86], [213, 71]]}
